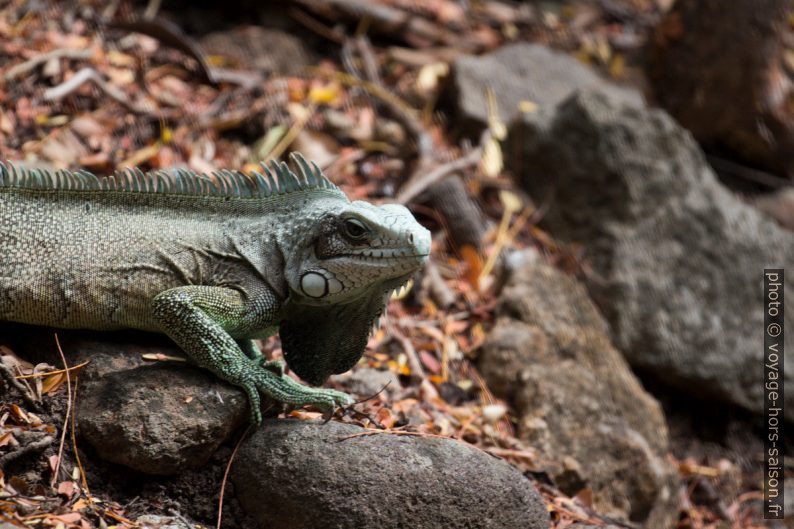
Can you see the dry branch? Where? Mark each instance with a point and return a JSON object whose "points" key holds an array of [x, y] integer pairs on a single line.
{"points": [[30, 64]]}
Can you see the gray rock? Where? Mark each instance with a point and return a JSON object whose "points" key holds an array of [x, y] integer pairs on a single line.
{"points": [[159, 419], [524, 72], [260, 48], [302, 474], [577, 401], [779, 206], [365, 382], [679, 260]]}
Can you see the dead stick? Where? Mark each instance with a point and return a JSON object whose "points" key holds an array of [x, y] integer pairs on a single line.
{"points": [[226, 475], [420, 180], [56, 93], [68, 413], [30, 64]]}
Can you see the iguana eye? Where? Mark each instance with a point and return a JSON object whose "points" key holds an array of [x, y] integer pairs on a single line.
{"points": [[355, 229]]}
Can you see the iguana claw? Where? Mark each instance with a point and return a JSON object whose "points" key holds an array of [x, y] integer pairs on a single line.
{"points": [[282, 388]]}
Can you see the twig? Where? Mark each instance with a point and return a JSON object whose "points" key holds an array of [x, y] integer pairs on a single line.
{"points": [[381, 390], [414, 29], [10, 378], [410, 352], [68, 412], [171, 35], [438, 288], [318, 27], [55, 372], [400, 110], [83, 479], [367, 432], [292, 133], [152, 9], [226, 475], [30, 64], [56, 93], [35, 446], [368, 59], [420, 180]]}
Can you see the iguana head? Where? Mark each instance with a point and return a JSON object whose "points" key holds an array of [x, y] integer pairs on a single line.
{"points": [[342, 262], [358, 249]]}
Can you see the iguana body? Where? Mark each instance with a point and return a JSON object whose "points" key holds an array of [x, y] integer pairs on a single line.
{"points": [[212, 261]]}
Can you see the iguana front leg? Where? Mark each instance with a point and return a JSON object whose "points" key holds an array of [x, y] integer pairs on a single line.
{"points": [[200, 318]]}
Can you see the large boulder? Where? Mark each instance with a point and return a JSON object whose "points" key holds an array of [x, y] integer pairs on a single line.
{"points": [[159, 419], [678, 260], [305, 474], [519, 74], [155, 417], [577, 401], [267, 49]]}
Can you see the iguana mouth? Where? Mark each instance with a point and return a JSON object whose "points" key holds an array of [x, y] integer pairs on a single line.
{"points": [[379, 254], [387, 254]]}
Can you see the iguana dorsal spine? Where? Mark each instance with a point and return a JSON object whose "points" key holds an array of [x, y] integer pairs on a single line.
{"points": [[277, 179]]}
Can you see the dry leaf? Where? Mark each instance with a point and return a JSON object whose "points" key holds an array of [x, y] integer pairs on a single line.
{"points": [[492, 160], [510, 201], [8, 439], [527, 107], [430, 362], [66, 488], [52, 382], [474, 265], [427, 80], [324, 94]]}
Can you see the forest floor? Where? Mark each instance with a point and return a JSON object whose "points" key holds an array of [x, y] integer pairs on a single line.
{"points": [[75, 92]]}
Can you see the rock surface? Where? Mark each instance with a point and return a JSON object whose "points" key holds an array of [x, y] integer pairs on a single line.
{"points": [[302, 474], [159, 419], [779, 206], [577, 401], [523, 73], [679, 260], [271, 50], [154, 417]]}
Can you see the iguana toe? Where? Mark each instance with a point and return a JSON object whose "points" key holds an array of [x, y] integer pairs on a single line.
{"points": [[276, 366]]}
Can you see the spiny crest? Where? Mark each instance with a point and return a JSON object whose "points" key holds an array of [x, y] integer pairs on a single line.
{"points": [[277, 179]]}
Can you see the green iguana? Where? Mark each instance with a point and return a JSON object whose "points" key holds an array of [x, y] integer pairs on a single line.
{"points": [[213, 261]]}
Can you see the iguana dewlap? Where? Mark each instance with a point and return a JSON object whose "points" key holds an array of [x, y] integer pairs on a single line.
{"points": [[211, 261]]}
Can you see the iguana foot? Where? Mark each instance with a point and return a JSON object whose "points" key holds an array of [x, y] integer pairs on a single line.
{"points": [[284, 389]]}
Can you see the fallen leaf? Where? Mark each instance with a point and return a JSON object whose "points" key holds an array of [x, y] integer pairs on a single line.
{"points": [[324, 94], [8, 439], [66, 488], [430, 362], [474, 265], [52, 382], [492, 160]]}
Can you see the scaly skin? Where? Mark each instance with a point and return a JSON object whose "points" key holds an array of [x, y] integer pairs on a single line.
{"points": [[211, 261]]}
